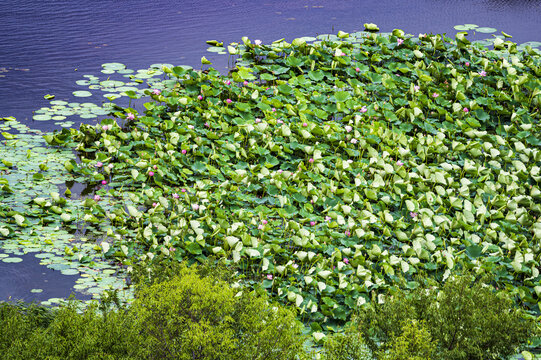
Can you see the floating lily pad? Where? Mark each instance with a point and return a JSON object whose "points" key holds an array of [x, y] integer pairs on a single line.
{"points": [[12, 260], [41, 117], [70, 272], [111, 83], [216, 49], [113, 66], [465, 27], [486, 30], [58, 102], [36, 291], [82, 93]]}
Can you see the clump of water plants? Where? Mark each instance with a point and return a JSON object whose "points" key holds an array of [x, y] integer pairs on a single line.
{"points": [[329, 169]]}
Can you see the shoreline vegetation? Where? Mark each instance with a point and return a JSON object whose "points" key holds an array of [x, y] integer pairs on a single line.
{"points": [[382, 184]]}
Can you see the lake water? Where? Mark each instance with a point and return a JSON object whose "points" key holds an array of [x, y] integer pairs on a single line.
{"points": [[45, 46]]}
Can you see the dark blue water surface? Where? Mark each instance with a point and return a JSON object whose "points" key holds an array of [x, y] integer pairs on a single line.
{"points": [[45, 46]]}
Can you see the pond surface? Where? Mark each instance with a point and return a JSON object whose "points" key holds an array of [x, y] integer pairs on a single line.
{"points": [[45, 47]]}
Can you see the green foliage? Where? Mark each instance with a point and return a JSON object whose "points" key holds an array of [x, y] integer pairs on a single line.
{"points": [[467, 319], [348, 345], [321, 170], [190, 315], [39, 333], [413, 343], [184, 316]]}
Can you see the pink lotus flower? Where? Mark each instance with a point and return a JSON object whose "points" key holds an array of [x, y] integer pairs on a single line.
{"points": [[97, 197], [151, 173], [103, 182], [264, 222], [195, 207], [105, 127], [399, 163], [304, 124], [110, 166], [273, 109], [156, 92], [175, 196], [280, 121], [245, 83], [280, 171], [227, 82], [207, 124], [357, 69], [269, 277], [183, 190], [399, 41], [229, 101], [183, 151], [435, 95], [257, 120], [327, 218], [154, 204], [99, 164], [155, 167], [363, 109], [311, 160], [413, 214], [261, 227], [312, 223], [258, 42], [346, 261], [200, 97], [354, 141], [466, 110], [467, 63], [130, 116], [347, 233], [348, 128], [416, 88], [482, 73]]}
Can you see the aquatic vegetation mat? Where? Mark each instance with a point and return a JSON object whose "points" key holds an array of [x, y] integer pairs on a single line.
{"points": [[30, 170], [325, 170]]}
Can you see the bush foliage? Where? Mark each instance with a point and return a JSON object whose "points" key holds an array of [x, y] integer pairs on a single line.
{"points": [[185, 316], [467, 319]]}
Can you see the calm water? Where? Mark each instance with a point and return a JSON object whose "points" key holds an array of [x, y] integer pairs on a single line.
{"points": [[45, 46]]}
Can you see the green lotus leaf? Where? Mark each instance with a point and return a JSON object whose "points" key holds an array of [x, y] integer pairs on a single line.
{"points": [[82, 93]]}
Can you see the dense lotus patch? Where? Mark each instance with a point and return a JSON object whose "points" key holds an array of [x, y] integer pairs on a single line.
{"points": [[330, 169]]}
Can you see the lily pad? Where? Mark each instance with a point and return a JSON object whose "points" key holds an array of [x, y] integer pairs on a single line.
{"points": [[82, 93], [113, 66], [42, 117], [486, 30]]}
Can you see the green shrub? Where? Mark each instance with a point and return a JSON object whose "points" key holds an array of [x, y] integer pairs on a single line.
{"points": [[36, 332], [346, 346], [414, 343], [191, 317], [468, 319]]}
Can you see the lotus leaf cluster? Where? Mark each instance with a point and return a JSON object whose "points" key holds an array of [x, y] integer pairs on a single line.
{"points": [[329, 169]]}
